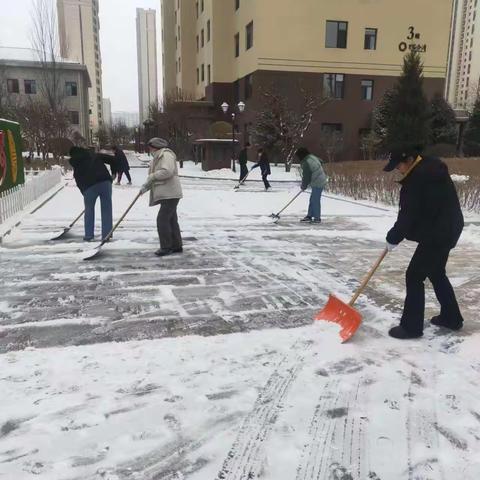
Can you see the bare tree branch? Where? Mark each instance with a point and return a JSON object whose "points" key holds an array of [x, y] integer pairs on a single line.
{"points": [[173, 120], [45, 42], [280, 127]]}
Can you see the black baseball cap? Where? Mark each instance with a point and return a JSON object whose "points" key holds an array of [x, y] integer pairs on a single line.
{"points": [[399, 155]]}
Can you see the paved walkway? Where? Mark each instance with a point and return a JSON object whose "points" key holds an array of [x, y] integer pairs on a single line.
{"points": [[238, 272], [274, 404]]}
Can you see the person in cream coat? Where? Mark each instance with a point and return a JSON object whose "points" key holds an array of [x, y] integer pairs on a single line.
{"points": [[165, 190]]}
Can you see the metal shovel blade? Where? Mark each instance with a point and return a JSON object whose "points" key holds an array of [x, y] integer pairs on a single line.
{"points": [[61, 235], [92, 254], [340, 312], [67, 229]]}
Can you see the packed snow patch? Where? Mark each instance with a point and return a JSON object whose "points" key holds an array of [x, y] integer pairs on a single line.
{"points": [[114, 399], [4, 307], [460, 178], [328, 331]]}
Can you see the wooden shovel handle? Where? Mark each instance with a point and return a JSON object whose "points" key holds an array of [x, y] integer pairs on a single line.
{"points": [[361, 288], [77, 219], [240, 183], [290, 202], [105, 240]]}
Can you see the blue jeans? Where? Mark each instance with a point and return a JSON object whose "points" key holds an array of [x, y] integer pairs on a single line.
{"points": [[90, 195], [314, 208]]}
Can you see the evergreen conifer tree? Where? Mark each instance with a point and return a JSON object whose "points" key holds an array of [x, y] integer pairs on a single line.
{"points": [[472, 133], [407, 123], [380, 116], [442, 122]]}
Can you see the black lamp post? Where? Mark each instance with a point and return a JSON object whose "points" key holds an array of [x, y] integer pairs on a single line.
{"points": [[137, 139], [241, 109]]}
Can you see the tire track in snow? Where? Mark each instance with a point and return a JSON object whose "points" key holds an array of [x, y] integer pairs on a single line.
{"points": [[317, 431], [422, 436], [172, 461], [246, 457], [336, 444]]}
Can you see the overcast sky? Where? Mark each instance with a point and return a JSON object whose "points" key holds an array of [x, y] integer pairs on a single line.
{"points": [[118, 43]]}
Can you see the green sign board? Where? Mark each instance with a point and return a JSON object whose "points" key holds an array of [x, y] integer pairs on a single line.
{"points": [[11, 161]]}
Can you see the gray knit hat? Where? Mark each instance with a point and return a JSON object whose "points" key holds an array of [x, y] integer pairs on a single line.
{"points": [[157, 142]]}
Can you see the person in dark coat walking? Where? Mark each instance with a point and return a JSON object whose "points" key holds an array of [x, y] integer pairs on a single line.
{"points": [[430, 214], [264, 164], [122, 165], [243, 160]]}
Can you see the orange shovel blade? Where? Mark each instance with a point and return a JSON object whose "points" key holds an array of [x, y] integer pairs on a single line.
{"points": [[339, 312]]}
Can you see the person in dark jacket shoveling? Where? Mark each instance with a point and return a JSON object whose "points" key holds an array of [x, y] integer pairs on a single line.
{"points": [[166, 191], [430, 214], [94, 181], [243, 162], [264, 164]]}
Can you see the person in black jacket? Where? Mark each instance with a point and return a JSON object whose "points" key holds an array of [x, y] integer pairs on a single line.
{"points": [[264, 164], [93, 180], [430, 214], [243, 160], [121, 165]]}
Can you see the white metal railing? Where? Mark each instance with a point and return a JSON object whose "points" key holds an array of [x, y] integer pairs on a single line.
{"points": [[17, 198]]}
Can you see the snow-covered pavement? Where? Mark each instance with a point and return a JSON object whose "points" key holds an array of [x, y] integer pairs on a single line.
{"points": [[206, 365]]}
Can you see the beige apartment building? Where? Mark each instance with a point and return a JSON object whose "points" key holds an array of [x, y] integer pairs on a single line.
{"points": [[464, 57], [79, 26], [349, 50]]}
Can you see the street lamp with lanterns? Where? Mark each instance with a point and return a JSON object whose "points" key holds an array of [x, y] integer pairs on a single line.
{"points": [[241, 109]]}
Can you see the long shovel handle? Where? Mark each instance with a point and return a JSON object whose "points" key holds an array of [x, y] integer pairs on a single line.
{"points": [[242, 180], [289, 203], [361, 288], [107, 238], [76, 219]]}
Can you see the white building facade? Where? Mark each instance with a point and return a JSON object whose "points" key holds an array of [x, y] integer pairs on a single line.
{"points": [[463, 75], [147, 61], [107, 111], [22, 82]]}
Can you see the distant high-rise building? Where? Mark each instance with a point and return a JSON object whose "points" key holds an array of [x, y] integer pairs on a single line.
{"points": [[79, 26], [130, 119], [147, 60], [168, 12], [107, 111], [464, 56]]}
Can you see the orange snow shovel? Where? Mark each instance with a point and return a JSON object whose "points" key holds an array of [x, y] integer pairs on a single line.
{"points": [[344, 314]]}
